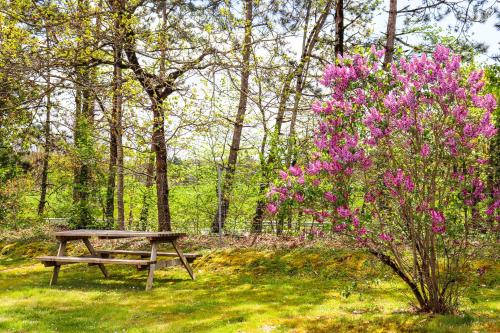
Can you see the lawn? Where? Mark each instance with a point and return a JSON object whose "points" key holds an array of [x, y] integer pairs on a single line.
{"points": [[237, 290]]}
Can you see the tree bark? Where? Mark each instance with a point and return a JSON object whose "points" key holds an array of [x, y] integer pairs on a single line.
{"points": [[118, 107], [268, 166], [110, 190], [414, 288], [150, 170], [301, 74], [158, 89], [339, 27], [46, 153], [160, 149], [391, 32], [84, 122], [238, 124]]}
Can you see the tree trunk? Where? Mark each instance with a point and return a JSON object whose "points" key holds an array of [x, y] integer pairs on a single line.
{"points": [[160, 149], [238, 124], [84, 122], [46, 153], [118, 108], [414, 288], [301, 74], [146, 197], [83, 133], [391, 32], [268, 167], [119, 164], [115, 141], [110, 190], [339, 27], [158, 89]]}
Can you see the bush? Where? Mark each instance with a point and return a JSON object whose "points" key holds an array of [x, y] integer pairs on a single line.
{"points": [[400, 168]]}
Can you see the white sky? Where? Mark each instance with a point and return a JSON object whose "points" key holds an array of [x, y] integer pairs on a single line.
{"points": [[481, 32]]}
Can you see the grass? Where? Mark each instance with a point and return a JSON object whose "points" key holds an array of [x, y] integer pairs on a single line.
{"points": [[245, 290]]}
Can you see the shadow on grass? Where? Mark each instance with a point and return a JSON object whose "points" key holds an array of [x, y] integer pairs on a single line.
{"points": [[234, 291]]}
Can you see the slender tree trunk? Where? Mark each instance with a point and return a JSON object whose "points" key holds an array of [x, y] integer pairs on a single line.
{"points": [[115, 124], [110, 190], [131, 217], [160, 149], [46, 153], [238, 124], [119, 165], [339, 27], [46, 157], [268, 167], [301, 73], [146, 197], [391, 32], [83, 127], [120, 184], [389, 262], [84, 121], [158, 89], [76, 138], [118, 107]]}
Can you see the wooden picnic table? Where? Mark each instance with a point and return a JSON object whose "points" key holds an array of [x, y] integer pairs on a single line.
{"points": [[148, 259]]}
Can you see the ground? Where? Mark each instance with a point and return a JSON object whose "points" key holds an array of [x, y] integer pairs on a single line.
{"points": [[316, 289]]}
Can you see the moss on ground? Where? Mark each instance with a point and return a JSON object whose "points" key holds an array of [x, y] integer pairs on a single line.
{"points": [[236, 290]]}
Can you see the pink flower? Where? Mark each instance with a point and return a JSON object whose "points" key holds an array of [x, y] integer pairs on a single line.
{"points": [[272, 208], [283, 175], [410, 186], [298, 197], [493, 207], [441, 54], [295, 171], [343, 212], [438, 221], [362, 231], [330, 196], [314, 167], [355, 221], [340, 227], [385, 237], [425, 151]]}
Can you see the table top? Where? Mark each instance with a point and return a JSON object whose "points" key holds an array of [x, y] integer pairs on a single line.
{"points": [[118, 234]]}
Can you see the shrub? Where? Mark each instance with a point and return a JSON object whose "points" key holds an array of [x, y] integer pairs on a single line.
{"points": [[399, 167]]}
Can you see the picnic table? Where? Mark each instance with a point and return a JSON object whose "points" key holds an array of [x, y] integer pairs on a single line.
{"points": [[100, 257]]}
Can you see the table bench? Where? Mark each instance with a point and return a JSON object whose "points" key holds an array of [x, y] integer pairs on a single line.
{"points": [[149, 259]]}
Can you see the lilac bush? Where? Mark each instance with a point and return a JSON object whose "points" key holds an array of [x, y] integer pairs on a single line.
{"points": [[399, 167]]}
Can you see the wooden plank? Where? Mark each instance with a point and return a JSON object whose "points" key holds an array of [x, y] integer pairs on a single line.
{"points": [[188, 256], [119, 234], [60, 252], [70, 238], [94, 254], [152, 267], [183, 259], [93, 260]]}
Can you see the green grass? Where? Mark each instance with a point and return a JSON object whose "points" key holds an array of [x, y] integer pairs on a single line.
{"points": [[301, 290]]}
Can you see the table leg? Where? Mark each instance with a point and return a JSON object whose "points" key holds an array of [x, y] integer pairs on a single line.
{"points": [[60, 252], [183, 259], [94, 254], [152, 267]]}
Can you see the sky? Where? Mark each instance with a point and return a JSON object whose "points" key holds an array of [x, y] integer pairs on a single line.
{"points": [[481, 32]]}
